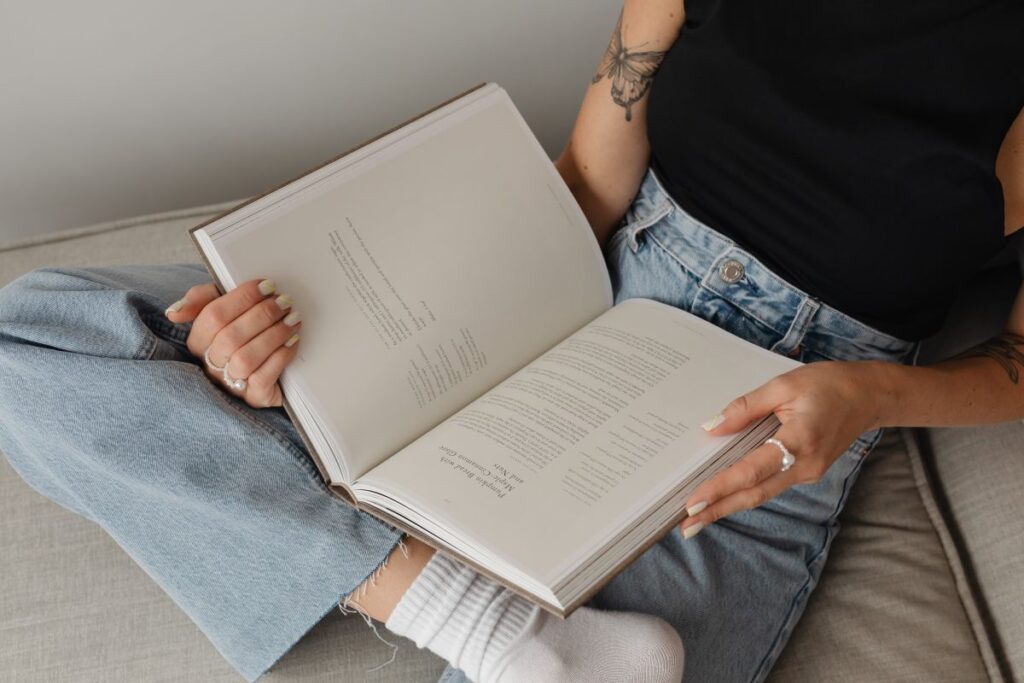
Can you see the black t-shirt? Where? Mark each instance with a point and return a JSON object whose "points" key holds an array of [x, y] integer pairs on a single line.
{"points": [[850, 145]]}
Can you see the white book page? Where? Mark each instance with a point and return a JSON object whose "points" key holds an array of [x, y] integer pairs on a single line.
{"points": [[425, 273], [547, 466]]}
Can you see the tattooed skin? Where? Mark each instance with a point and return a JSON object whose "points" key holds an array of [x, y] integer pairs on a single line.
{"points": [[1007, 349], [631, 72]]}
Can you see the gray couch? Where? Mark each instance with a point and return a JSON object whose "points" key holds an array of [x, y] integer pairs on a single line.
{"points": [[925, 582]]}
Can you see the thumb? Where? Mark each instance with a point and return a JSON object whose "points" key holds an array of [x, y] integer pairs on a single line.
{"points": [[186, 308], [741, 411]]}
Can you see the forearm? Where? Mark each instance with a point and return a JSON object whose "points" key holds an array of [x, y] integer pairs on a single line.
{"points": [[982, 385], [607, 152]]}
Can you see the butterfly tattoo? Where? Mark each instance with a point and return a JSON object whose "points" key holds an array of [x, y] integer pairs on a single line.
{"points": [[631, 72]]}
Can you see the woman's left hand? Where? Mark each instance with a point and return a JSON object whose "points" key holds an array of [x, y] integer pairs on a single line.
{"points": [[823, 407]]}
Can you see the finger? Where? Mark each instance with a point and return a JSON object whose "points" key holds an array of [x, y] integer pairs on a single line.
{"points": [[223, 310], [247, 327], [263, 390], [248, 359], [744, 499], [187, 307], [744, 409], [755, 467]]}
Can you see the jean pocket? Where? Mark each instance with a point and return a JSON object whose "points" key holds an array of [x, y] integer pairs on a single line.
{"points": [[650, 273], [867, 441]]}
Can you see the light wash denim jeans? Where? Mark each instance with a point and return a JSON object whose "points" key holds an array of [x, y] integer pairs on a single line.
{"points": [[103, 410]]}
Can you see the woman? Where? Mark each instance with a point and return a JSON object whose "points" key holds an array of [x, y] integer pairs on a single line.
{"points": [[819, 178]]}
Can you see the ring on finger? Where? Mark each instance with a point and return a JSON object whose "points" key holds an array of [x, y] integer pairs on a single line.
{"points": [[236, 383], [788, 459], [213, 366]]}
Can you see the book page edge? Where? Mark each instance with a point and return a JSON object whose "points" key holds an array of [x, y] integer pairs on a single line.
{"points": [[387, 518], [618, 567], [333, 159], [202, 253]]}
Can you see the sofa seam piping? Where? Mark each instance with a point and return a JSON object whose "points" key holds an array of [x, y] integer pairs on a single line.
{"points": [[113, 226], [937, 506]]}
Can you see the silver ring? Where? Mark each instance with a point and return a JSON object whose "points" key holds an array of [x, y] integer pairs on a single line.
{"points": [[787, 458], [233, 383], [206, 357]]}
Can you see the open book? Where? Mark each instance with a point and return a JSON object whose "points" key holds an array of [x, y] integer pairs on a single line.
{"points": [[463, 373]]}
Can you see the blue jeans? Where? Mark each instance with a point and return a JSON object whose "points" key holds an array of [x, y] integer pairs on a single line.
{"points": [[105, 411]]}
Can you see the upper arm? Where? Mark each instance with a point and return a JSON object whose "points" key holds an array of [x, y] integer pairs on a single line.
{"points": [[1010, 171], [607, 153], [1015, 322]]}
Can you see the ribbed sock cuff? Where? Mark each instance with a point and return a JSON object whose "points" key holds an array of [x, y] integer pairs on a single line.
{"points": [[461, 615]]}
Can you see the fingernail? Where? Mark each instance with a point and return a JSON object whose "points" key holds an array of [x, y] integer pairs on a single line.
{"points": [[284, 302], [291, 340], [267, 287], [713, 422], [693, 530], [176, 306], [293, 318], [696, 508]]}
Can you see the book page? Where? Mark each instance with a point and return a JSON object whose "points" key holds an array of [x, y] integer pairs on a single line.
{"points": [[546, 466], [426, 273]]}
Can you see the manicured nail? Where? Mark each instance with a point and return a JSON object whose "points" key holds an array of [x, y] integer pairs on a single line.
{"points": [[693, 530], [176, 306], [267, 287], [291, 340], [713, 422], [284, 302], [293, 318], [696, 508]]}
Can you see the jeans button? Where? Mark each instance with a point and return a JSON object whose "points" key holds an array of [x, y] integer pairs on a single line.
{"points": [[731, 271]]}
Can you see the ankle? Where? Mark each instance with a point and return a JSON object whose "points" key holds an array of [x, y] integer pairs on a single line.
{"points": [[377, 596]]}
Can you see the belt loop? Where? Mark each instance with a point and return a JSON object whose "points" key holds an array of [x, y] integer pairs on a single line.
{"points": [[636, 227], [914, 354], [798, 327], [631, 233]]}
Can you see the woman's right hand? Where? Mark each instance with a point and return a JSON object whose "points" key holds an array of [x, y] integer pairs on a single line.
{"points": [[252, 328]]}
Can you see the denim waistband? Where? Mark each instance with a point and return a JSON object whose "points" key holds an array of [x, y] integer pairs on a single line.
{"points": [[732, 274]]}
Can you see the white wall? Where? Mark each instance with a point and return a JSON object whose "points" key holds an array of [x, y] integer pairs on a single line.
{"points": [[112, 109]]}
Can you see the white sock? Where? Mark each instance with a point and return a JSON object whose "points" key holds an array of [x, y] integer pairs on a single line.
{"points": [[496, 636]]}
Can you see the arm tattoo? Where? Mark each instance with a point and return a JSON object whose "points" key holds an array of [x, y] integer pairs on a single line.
{"points": [[631, 72], [1007, 349]]}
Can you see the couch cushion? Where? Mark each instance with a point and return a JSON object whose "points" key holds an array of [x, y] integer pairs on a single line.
{"points": [[161, 238], [888, 606], [979, 474], [74, 607]]}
